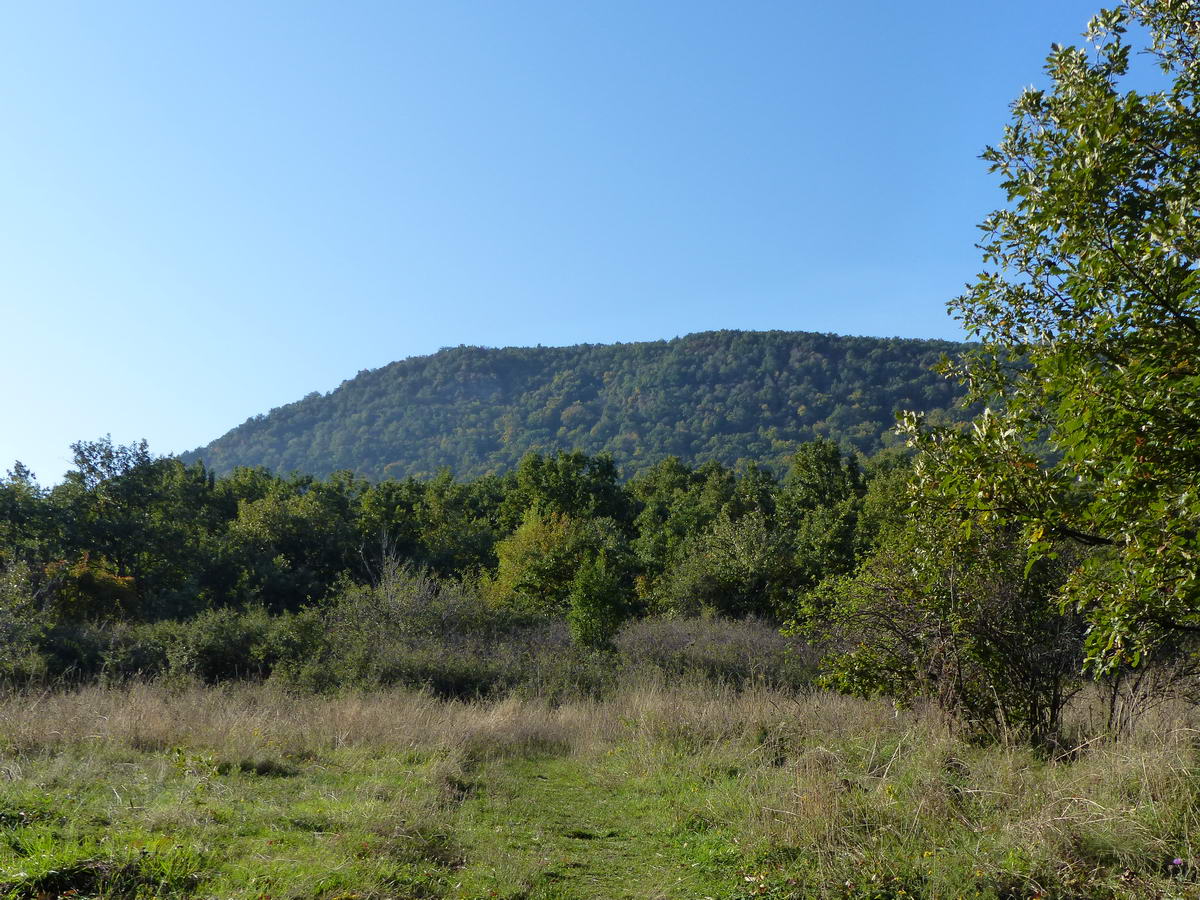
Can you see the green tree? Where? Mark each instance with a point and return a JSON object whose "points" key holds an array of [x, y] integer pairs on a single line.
{"points": [[1088, 313], [573, 484], [23, 621], [536, 563], [958, 619], [105, 497], [818, 476], [539, 561], [25, 523], [597, 603], [289, 546], [819, 506], [146, 521], [456, 523], [741, 567], [677, 505]]}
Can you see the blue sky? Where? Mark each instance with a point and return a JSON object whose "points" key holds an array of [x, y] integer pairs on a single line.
{"points": [[212, 209]]}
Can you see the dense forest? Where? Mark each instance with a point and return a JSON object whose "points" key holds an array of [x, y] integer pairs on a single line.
{"points": [[724, 396], [104, 572]]}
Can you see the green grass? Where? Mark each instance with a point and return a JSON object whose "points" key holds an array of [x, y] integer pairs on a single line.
{"points": [[172, 824], [347, 823], [678, 792], [588, 828]]}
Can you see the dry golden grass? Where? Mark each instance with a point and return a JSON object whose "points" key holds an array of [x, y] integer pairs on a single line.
{"points": [[243, 718]]}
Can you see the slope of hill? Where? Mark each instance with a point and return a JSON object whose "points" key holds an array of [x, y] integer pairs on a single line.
{"points": [[723, 395]]}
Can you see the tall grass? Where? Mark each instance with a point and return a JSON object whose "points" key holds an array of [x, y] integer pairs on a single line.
{"points": [[817, 794]]}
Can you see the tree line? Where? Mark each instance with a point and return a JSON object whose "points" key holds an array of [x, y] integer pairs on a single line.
{"points": [[137, 564], [132, 536]]}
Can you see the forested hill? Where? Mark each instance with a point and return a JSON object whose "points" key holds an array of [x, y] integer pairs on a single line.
{"points": [[721, 395]]}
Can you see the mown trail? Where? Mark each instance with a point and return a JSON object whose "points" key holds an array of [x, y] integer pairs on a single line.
{"points": [[575, 828]]}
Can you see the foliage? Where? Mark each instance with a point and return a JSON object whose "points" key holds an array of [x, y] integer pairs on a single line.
{"points": [[289, 545], [324, 584], [723, 396], [177, 541], [21, 623], [90, 589], [440, 523], [570, 484], [746, 544], [819, 504], [596, 605], [677, 504], [959, 619], [24, 520], [1089, 313], [738, 567], [219, 644], [538, 563]]}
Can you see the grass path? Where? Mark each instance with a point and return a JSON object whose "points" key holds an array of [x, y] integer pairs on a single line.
{"points": [[572, 828]]}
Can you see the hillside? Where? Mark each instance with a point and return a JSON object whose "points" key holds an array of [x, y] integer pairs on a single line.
{"points": [[723, 395]]}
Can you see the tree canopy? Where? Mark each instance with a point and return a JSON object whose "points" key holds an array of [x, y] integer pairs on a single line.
{"points": [[1088, 313], [719, 395]]}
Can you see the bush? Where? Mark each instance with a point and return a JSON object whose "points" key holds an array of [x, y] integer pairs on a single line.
{"points": [[413, 629], [220, 644], [21, 625], [296, 651], [136, 651], [734, 652], [597, 604], [958, 618]]}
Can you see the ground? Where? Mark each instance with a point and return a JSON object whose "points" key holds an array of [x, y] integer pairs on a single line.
{"points": [[660, 792]]}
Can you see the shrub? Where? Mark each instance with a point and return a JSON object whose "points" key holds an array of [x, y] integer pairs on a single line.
{"points": [[220, 644], [958, 618], [21, 625], [597, 604], [136, 651], [734, 652]]}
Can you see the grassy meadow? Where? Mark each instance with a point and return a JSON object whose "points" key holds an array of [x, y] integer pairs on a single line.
{"points": [[659, 790]]}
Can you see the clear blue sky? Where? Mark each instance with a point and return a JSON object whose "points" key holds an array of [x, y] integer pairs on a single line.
{"points": [[211, 209]]}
